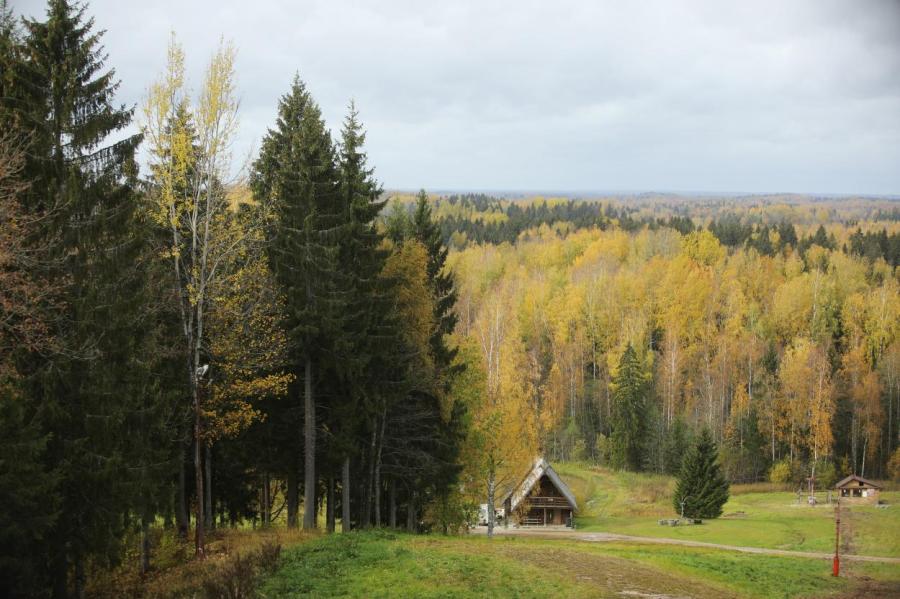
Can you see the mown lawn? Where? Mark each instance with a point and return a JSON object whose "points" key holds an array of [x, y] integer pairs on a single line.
{"points": [[381, 564], [628, 503]]}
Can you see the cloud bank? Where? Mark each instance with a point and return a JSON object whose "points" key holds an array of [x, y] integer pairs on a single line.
{"points": [[799, 96]]}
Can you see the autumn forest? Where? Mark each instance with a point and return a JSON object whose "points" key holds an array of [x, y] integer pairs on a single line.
{"points": [[189, 345]]}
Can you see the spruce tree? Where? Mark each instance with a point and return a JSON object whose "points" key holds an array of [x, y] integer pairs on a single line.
{"points": [[28, 490], [628, 420], [428, 232], [370, 375], [297, 174], [701, 486], [84, 191]]}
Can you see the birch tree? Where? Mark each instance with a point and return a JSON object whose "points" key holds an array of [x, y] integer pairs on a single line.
{"points": [[190, 160]]}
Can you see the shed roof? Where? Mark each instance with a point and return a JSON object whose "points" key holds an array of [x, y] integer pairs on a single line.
{"points": [[859, 479], [539, 469]]}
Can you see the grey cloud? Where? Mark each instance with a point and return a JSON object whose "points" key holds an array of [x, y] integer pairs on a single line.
{"points": [[745, 96]]}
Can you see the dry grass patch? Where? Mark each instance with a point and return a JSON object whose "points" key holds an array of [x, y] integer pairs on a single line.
{"points": [[235, 558]]}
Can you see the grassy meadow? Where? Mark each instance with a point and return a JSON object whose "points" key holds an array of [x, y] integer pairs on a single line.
{"points": [[390, 564], [758, 515], [381, 564]]}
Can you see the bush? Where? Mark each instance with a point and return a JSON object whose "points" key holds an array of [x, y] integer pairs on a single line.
{"points": [[269, 556], [602, 447], [234, 580], [790, 473], [238, 578], [780, 472], [451, 513], [826, 475]]}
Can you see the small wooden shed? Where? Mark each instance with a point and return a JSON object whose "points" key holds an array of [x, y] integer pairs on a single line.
{"points": [[858, 489], [541, 498]]}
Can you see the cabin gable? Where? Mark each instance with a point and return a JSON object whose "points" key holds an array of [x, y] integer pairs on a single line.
{"points": [[541, 498]]}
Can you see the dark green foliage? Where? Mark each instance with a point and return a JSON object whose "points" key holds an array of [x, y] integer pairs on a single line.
{"points": [[628, 412], [427, 231], [94, 396], [27, 493], [873, 245], [744, 450], [701, 485], [296, 174], [675, 447]]}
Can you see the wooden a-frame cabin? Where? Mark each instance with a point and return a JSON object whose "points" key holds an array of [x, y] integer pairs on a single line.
{"points": [[541, 498]]}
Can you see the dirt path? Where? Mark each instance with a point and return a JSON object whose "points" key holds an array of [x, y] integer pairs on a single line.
{"points": [[599, 537]]}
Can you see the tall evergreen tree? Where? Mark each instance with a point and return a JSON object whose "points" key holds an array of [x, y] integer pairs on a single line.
{"points": [[28, 489], [297, 173], [628, 412], [428, 232], [701, 487], [367, 375], [85, 192]]}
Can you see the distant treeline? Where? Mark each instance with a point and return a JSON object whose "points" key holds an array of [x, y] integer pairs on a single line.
{"points": [[480, 218]]}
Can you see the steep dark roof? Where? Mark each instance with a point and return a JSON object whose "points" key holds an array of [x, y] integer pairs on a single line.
{"points": [[860, 479], [540, 468]]}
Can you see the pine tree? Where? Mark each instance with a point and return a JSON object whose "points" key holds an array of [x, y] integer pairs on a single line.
{"points": [[701, 486], [628, 412]]}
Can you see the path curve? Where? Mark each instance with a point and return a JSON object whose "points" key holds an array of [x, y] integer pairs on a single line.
{"points": [[600, 537]]}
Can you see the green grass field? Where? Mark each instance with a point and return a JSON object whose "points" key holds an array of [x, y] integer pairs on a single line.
{"points": [[754, 516], [381, 564]]}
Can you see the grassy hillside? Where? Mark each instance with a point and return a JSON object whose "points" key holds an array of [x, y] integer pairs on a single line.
{"points": [[755, 515], [384, 564]]}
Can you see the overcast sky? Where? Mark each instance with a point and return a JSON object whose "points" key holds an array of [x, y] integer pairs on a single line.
{"points": [[754, 96]]}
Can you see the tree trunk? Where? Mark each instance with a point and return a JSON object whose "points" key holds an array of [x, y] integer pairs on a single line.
{"points": [[266, 511], [367, 502], [199, 541], [411, 513], [292, 498], [145, 545], [182, 517], [59, 573], [79, 577], [490, 502], [345, 496], [207, 508], [377, 481], [309, 474], [862, 471], [329, 508], [392, 505]]}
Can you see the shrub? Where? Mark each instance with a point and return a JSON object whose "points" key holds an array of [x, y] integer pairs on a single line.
{"points": [[780, 472], [269, 556], [238, 578], [826, 475]]}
